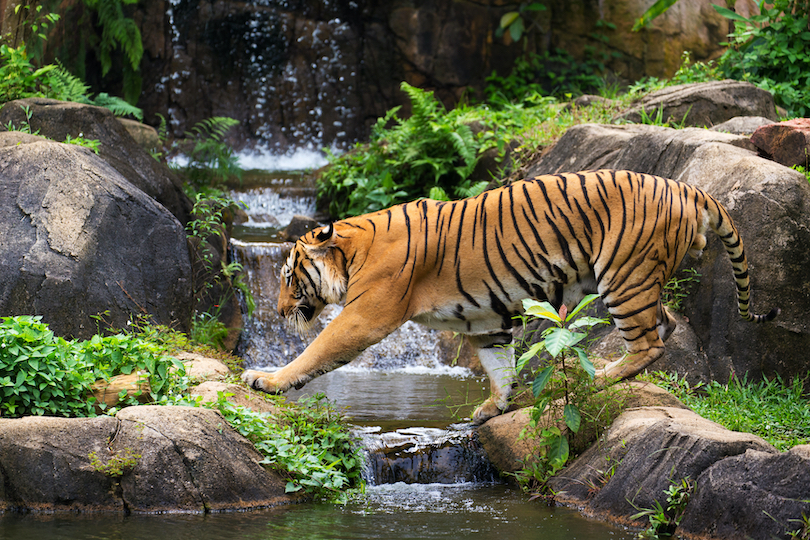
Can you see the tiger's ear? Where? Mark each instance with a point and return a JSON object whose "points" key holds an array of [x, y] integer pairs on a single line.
{"points": [[322, 240], [325, 234]]}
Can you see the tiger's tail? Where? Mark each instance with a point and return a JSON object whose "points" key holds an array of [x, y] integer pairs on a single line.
{"points": [[720, 221]]}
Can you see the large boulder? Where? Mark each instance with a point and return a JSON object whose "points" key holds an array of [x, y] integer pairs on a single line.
{"points": [[758, 495], [58, 119], [704, 104], [147, 459], [77, 239], [744, 488], [769, 204]]}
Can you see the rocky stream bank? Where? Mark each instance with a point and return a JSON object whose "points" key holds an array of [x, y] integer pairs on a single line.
{"points": [[84, 233]]}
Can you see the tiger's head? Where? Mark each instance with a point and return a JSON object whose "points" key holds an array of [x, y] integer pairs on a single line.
{"points": [[311, 278]]}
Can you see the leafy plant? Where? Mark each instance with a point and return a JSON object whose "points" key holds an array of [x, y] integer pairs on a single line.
{"points": [[20, 79], [309, 443], [433, 148], [41, 373], [517, 24], [664, 521], [211, 160], [772, 50], [126, 353], [558, 386], [554, 73]]}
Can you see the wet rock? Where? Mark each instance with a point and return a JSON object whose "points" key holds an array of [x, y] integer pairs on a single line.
{"points": [[787, 142], [327, 70], [80, 240], [147, 459], [425, 456], [298, 227], [704, 104]]}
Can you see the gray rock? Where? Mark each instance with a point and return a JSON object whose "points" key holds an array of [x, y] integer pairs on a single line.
{"points": [[77, 239], [176, 459], [641, 454], [757, 495], [742, 125], [704, 104], [58, 119]]}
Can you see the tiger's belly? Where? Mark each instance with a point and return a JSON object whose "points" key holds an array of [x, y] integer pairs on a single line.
{"points": [[496, 314]]}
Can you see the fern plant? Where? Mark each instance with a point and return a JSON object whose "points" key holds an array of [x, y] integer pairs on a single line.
{"points": [[431, 153], [211, 160], [119, 32]]}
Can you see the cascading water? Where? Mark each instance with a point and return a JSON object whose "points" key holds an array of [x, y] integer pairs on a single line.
{"points": [[409, 357]]}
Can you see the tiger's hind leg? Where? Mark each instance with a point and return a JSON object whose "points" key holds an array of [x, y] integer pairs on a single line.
{"points": [[499, 364], [644, 334]]}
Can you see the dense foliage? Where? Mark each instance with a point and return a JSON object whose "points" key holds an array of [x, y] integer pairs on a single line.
{"points": [[308, 442], [42, 374], [772, 50], [433, 149]]}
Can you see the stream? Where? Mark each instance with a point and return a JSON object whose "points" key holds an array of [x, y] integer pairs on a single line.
{"points": [[426, 475]]}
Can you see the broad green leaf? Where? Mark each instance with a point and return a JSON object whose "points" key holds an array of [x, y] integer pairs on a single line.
{"points": [[508, 18], [586, 321], [541, 310], [585, 302], [585, 362], [558, 450], [528, 355], [572, 417], [728, 14], [652, 12], [541, 380], [559, 339], [516, 30]]}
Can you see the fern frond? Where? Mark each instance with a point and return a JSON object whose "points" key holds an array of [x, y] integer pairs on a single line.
{"points": [[118, 106], [65, 86]]}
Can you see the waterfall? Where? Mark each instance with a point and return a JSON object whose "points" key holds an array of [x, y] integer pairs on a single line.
{"points": [[425, 456]]}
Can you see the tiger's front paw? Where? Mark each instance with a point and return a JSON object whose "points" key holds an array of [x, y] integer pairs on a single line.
{"points": [[264, 382]]}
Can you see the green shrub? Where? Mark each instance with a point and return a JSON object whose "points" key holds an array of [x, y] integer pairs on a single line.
{"points": [[308, 442], [434, 149], [772, 50], [41, 374]]}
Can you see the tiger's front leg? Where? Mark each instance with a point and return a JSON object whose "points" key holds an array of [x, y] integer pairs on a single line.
{"points": [[339, 343], [498, 362]]}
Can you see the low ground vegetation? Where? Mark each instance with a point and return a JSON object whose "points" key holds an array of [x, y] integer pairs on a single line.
{"points": [[774, 409]]}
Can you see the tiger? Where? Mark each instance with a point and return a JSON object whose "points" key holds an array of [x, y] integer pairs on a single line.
{"points": [[466, 266]]}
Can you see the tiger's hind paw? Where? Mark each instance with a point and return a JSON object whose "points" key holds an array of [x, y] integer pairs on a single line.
{"points": [[488, 409]]}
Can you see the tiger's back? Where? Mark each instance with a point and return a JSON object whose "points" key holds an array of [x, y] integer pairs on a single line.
{"points": [[467, 265]]}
